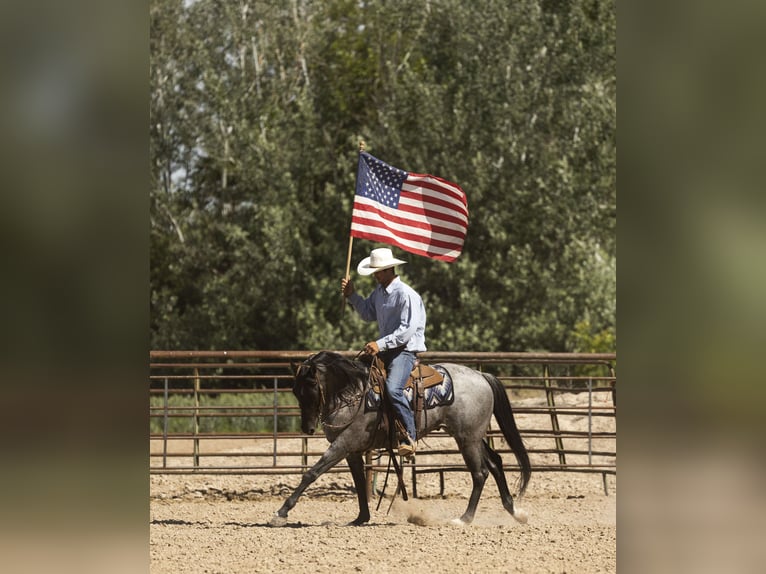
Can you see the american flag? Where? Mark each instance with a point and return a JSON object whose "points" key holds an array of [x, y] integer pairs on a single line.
{"points": [[420, 213]]}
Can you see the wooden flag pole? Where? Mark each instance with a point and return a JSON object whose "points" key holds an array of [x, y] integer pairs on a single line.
{"points": [[350, 245], [348, 258]]}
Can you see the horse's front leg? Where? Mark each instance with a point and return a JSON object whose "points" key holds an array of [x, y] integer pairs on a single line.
{"points": [[356, 464], [330, 458]]}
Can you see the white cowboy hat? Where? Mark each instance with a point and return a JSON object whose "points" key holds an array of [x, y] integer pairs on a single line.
{"points": [[378, 260]]}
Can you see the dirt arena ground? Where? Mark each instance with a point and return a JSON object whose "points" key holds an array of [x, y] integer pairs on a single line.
{"points": [[219, 524]]}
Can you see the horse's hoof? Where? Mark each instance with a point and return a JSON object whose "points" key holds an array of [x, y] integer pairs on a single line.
{"points": [[278, 520], [457, 522], [520, 515]]}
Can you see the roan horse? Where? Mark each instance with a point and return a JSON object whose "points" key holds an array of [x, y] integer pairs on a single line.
{"points": [[331, 389]]}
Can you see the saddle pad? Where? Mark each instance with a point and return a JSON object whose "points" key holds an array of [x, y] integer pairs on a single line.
{"points": [[436, 396]]}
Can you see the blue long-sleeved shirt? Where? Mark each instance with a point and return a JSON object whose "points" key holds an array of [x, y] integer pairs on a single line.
{"points": [[400, 314]]}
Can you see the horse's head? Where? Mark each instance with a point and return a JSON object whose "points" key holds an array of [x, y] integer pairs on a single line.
{"points": [[324, 382], [308, 389]]}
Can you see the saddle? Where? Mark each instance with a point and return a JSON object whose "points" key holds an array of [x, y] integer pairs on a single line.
{"points": [[421, 378], [425, 374]]}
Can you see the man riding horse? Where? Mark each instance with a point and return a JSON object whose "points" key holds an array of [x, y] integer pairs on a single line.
{"points": [[401, 318]]}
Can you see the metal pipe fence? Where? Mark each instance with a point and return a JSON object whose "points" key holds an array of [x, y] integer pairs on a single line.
{"points": [[233, 412]]}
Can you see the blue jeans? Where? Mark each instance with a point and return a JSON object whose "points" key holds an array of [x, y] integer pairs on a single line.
{"points": [[399, 365]]}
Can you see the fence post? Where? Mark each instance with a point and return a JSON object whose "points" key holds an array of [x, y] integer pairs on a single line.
{"points": [[554, 416], [276, 421], [165, 427], [414, 476], [196, 418], [590, 421], [613, 384]]}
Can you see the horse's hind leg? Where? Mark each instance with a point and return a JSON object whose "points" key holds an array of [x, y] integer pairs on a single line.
{"points": [[494, 463], [472, 455], [356, 464]]}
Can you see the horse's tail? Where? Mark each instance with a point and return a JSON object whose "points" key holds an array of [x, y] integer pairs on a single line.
{"points": [[504, 415]]}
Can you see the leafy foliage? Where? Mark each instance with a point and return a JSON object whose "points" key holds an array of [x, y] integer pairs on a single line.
{"points": [[256, 111]]}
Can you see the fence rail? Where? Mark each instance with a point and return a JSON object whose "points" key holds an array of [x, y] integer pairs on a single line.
{"points": [[233, 412]]}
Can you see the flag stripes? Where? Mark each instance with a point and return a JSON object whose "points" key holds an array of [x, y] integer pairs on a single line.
{"points": [[420, 213]]}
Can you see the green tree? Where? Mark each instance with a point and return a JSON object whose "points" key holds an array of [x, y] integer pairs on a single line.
{"points": [[256, 111]]}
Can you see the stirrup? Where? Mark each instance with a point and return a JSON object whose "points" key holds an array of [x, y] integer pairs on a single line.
{"points": [[407, 448]]}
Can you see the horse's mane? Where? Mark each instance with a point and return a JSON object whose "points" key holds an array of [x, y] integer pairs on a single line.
{"points": [[345, 372]]}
